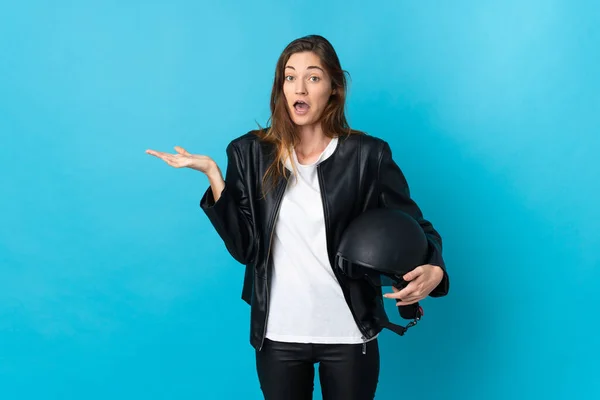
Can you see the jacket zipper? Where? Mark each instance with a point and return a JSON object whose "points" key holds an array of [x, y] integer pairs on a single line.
{"points": [[325, 215], [278, 207]]}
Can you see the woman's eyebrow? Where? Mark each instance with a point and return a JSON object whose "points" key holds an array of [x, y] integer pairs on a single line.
{"points": [[309, 67]]}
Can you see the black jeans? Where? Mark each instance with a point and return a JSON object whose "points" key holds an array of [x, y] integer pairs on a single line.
{"points": [[287, 370]]}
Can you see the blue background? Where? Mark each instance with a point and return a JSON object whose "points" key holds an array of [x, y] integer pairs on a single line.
{"points": [[113, 284]]}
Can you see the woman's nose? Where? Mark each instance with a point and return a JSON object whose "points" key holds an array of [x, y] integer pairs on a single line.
{"points": [[300, 87]]}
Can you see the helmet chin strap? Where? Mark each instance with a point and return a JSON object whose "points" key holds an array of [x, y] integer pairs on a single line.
{"points": [[414, 311]]}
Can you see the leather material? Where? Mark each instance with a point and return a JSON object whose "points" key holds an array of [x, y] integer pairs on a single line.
{"points": [[358, 176], [286, 371]]}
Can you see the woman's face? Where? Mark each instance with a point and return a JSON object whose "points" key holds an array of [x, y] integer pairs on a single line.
{"points": [[307, 88]]}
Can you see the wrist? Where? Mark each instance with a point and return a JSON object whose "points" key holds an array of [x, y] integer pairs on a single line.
{"points": [[213, 172], [439, 271]]}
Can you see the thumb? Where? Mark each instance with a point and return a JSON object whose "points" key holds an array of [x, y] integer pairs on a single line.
{"points": [[182, 151], [409, 276]]}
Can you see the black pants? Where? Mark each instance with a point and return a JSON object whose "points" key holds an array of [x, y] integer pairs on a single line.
{"points": [[287, 370]]}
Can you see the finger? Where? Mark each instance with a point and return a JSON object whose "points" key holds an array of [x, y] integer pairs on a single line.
{"points": [[401, 294], [173, 164], [397, 290], [152, 152], [158, 154], [411, 289], [182, 151], [173, 161], [409, 276], [165, 157], [413, 298]]}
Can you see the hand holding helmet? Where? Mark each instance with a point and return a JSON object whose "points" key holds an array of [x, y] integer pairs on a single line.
{"points": [[422, 280], [389, 248]]}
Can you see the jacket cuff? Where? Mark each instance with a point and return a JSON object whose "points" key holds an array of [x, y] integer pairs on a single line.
{"points": [[207, 201], [435, 258], [443, 287], [211, 207], [215, 210], [224, 216]]}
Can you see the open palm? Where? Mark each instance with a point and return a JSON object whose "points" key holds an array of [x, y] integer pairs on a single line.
{"points": [[183, 159]]}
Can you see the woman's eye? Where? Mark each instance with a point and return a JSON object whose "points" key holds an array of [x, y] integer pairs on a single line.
{"points": [[314, 78], [289, 78]]}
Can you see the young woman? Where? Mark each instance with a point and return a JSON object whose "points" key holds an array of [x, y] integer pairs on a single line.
{"points": [[289, 192]]}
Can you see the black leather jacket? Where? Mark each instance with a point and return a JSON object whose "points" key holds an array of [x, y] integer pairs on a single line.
{"points": [[359, 175]]}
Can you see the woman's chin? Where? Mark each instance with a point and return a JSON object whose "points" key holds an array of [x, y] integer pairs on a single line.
{"points": [[303, 120]]}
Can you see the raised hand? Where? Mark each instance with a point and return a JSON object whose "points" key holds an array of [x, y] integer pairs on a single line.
{"points": [[205, 164], [183, 159]]}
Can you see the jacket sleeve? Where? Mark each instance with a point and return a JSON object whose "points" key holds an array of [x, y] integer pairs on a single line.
{"points": [[395, 193], [231, 215]]}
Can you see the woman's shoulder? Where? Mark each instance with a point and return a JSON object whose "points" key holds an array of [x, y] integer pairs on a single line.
{"points": [[247, 139], [366, 141], [250, 145], [245, 143]]}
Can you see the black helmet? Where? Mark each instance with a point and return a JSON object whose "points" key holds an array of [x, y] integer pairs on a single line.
{"points": [[382, 245]]}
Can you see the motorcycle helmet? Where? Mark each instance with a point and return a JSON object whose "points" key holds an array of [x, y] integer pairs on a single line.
{"points": [[382, 245]]}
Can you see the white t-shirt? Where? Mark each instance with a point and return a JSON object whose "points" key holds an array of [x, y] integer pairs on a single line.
{"points": [[306, 302]]}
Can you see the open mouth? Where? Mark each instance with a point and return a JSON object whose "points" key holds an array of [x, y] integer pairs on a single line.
{"points": [[301, 107]]}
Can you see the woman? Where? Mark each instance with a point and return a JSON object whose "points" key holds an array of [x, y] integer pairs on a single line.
{"points": [[289, 192]]}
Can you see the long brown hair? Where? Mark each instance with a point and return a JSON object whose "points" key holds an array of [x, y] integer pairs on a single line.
{"points": [[282, 131]]}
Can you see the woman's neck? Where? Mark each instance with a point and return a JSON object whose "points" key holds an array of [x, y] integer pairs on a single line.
{"points": [[312, 142]]}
